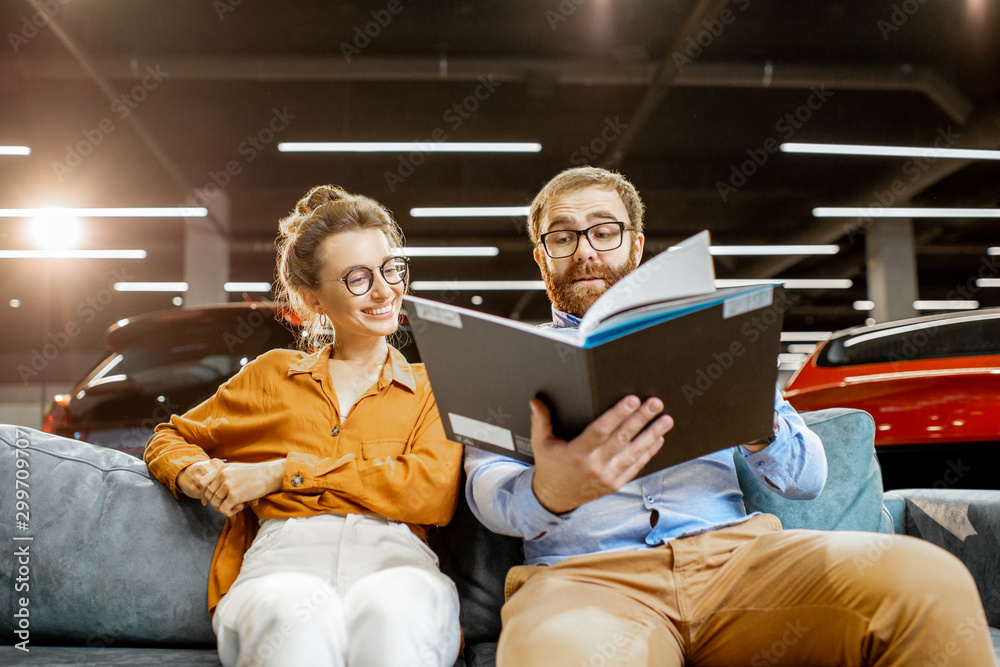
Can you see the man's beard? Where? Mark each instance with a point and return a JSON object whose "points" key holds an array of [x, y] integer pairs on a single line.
{"points": [[571, 297]]}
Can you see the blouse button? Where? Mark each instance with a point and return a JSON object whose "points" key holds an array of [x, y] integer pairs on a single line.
{"points": [[296, 480], [335, 431]]}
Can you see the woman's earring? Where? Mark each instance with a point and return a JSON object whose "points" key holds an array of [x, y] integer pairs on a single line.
{"points": [[324, 322]]}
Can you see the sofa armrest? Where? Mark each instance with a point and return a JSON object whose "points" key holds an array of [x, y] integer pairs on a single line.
{"points": [[965, 523], [106, 555]]}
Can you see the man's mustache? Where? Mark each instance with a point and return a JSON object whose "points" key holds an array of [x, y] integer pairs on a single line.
{"points": [[580, 270]]}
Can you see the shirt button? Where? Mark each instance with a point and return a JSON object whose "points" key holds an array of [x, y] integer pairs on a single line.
{"points": [[649, 499], [335, 431], [296, 480]]}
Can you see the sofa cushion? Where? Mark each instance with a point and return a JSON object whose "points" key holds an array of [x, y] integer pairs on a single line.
{"points": [[108, 656], [113, 558], [477, 560], [852, 496], [966, 523]]}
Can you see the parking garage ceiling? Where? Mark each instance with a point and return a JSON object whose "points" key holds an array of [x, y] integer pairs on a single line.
{"points": [[134, 103]]}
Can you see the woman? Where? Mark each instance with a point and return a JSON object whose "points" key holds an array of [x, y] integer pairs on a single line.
{"points": [[328, 465]]}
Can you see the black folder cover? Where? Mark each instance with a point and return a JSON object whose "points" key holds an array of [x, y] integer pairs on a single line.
{"points": [[715, 368]]}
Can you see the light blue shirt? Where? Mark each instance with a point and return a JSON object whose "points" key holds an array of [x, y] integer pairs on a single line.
{"points": [[693, 497]]}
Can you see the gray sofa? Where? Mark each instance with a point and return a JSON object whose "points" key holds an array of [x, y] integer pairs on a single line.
{"points": [[107, 568]]}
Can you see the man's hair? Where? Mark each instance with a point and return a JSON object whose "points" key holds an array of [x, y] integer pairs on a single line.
{"points": [[579, 178]]}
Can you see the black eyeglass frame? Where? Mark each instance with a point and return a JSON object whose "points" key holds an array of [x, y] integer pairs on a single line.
{"points": [[371, 274], [624, 227]]}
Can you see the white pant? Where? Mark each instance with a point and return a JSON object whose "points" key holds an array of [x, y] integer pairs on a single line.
{"points": [[338, 590]]}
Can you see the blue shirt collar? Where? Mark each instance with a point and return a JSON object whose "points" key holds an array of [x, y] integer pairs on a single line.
{"points": [[561, 320]]}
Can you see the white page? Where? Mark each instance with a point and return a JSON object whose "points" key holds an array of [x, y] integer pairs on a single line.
{"points": [[685, 269]]}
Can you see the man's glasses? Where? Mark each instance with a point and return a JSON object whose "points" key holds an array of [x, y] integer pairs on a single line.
{"points": [[360, 280], [602, 237]]}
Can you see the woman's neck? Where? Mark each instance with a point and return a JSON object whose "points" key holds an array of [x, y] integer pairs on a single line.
{"points": [[363, 351]]}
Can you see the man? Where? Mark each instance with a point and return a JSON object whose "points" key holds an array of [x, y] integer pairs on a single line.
{"points": [[668, 570]]}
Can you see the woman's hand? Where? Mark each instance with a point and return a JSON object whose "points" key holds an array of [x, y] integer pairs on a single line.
{"points": [[192, 480], [228, 486]]}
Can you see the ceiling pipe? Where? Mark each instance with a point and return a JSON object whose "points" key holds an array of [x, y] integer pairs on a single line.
{"points": [[904, 78], [669, 68]]}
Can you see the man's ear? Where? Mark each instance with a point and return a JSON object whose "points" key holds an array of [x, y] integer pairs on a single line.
{"points": [[539, 256], [640, 241]]}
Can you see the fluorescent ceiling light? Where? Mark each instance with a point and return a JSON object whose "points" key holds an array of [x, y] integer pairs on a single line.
{"points": [[468, 211], [945, 305], [774, 249], [864, 305], [988, 282], [15, 150], [449, 251], [890, 151], [147, 212], [790, 283], [880, 212], [247, 287], [799, 348], [151, 287], [804, 336], [789, 358], [995, 250], [464, 285], [408, 146], [72, 254]]}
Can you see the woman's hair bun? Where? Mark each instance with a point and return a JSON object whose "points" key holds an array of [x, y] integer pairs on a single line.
{"points": [[312, 200]]}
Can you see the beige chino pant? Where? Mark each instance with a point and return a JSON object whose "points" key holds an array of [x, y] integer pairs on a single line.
{"points": [[752, 595]]}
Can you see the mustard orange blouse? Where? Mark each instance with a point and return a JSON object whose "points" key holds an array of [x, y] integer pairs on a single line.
{"points": [[389, 455]]}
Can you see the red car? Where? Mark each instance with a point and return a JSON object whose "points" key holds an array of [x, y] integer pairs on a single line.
{"points": [[931, 383]]}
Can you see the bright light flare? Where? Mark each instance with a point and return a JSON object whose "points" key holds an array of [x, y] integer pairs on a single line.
{"points": [[54, 230]]}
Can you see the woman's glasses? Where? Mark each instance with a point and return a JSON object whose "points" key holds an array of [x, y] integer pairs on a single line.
{"points": [[359, 280]]}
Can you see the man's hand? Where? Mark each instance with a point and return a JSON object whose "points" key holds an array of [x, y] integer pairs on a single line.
{"points": [[601, 460], [228, 486]]}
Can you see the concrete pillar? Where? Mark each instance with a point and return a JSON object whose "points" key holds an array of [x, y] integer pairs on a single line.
{"points": [[206, 250], [892, 268]]}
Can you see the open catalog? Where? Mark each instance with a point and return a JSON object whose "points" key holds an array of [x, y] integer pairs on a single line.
{"points": [[664, 330]]}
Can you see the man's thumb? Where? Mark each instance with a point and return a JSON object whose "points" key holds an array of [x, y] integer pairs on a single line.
{"points": [[541, 421]]}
